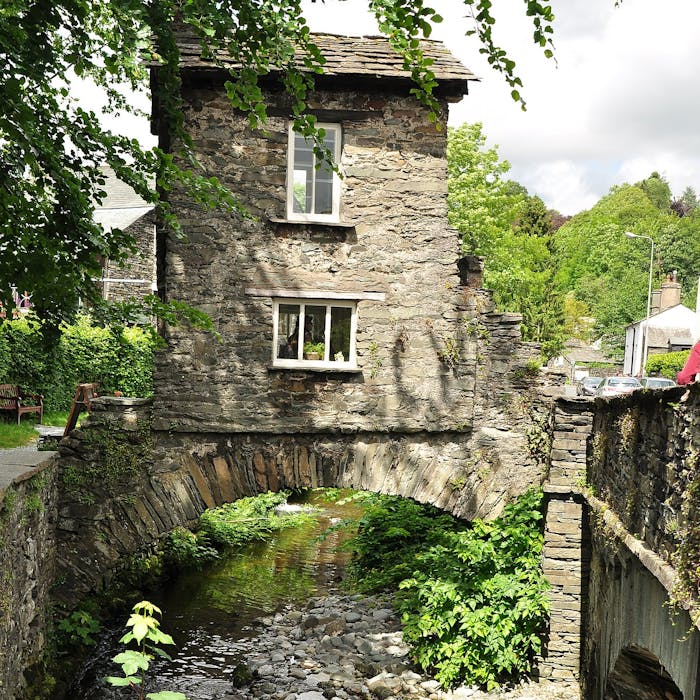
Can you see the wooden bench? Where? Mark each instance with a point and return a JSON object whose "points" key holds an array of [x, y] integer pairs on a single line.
{"points": [[14, 400]]}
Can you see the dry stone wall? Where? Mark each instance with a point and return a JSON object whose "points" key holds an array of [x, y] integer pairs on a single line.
{"points": [[27, 553], [643, 463]]}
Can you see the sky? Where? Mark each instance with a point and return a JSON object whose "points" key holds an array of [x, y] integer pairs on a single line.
{"points": [[620, 101]]}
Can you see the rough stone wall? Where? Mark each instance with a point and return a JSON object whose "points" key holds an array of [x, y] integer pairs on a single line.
{"points": [[643, 460], [27, 551], [643, 487], [394, 191], [628, 608], [104, 505], [566, 546], [141, 264]]}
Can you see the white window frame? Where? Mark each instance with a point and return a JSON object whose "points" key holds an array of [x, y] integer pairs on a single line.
{"points": [[326, 363], [334, 216]]}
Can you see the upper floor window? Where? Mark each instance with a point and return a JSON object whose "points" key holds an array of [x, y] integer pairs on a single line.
{"points": [[313, 189], [314, 333]]}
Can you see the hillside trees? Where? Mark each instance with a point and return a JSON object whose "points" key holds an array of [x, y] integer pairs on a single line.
{"points": [[51, 148], [511, 230], [609, 272]]}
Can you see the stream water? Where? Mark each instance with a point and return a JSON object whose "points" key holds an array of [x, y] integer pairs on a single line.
{"points": [[210, 613]]}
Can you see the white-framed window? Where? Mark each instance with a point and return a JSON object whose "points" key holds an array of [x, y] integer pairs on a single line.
{"points": [[313, 188], [314, 333]]}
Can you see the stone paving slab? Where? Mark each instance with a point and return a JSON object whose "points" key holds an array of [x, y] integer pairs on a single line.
{"points": [[18, 461]]}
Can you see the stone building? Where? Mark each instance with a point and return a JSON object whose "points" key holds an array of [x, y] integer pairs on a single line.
{"points": [[347, 331], [123, 208]]}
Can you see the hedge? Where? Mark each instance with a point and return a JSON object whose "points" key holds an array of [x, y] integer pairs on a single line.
{"points": [[667, 364], [117, 358]]}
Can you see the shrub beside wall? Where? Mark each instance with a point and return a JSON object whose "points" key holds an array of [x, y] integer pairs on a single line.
{"points": [[117, 358], [668, 364]]}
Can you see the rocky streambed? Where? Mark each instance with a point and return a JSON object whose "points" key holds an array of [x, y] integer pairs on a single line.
{"points": [[342, 647]]}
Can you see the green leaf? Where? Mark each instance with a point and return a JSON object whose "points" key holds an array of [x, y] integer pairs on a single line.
{"points": [[119, 682], [132, 661]]}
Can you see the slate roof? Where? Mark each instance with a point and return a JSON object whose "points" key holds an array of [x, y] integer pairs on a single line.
{"points": [[363, 56], [122, 206]]}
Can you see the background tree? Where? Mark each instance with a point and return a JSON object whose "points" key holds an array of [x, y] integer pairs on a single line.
{"points": [[608, 272], [512, 231], [51, 149], [481, 204]]}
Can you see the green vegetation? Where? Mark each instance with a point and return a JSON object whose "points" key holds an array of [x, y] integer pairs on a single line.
{"points": [[246, 520], [319, 348], [13, 435], [149, 638], [511, 230], [577, 278], [472, 597], [117, 358], [667, 365], [80, 627]]}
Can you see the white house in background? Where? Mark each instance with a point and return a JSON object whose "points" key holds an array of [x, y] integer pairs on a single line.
{"points": [[671, 327]]}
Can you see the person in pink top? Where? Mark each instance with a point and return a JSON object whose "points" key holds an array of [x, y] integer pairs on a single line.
{"points": [[691, 366]]}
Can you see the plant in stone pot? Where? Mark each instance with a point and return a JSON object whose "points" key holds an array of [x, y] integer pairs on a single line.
{"points": [[314, 351]]}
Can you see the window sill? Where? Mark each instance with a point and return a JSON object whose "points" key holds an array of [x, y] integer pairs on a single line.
{"points": [[315, 368], [300, 222]]}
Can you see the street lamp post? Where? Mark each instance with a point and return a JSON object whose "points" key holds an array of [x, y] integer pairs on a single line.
{"points": [[645, 343]]}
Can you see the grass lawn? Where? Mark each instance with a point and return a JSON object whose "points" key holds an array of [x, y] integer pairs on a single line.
{"points": [[13, 435]]}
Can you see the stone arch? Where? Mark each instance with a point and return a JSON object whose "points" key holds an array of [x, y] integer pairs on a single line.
{"points": [[633, 632], [186, 474], [638, 674]]}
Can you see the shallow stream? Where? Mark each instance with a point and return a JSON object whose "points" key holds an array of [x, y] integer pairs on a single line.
{"points": [[210, 614]]}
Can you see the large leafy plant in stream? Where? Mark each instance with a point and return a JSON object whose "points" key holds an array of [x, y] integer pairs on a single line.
{"points": [[472, 596], [145, 631]]}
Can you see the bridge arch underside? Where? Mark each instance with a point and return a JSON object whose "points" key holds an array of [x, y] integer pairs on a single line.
{"points": [[635, 647], [639, 675], [452, 471], [193, 472]]}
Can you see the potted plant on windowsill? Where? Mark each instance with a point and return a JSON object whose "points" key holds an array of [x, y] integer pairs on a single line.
{"points": [[314, 351]]}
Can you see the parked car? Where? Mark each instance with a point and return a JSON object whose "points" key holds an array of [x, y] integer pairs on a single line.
{"points": [[588, 385], [615, 386], [657, 382]]}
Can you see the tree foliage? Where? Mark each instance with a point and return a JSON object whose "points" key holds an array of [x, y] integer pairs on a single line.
{"points": [[609, 272], [51, 148], [117, 358], [498, 220], [472, 596]]}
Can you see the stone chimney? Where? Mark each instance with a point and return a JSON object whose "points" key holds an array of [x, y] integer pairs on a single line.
{"points": [[670, 292]]}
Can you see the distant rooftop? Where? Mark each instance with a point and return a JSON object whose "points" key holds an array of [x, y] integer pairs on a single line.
{"points": [[122, 206], [365, 56]]}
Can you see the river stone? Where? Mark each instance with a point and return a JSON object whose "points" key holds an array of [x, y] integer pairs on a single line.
{"points": [[265, 670], [309, 622], [311, 695]]}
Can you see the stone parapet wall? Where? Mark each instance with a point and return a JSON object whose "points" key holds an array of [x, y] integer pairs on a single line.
{"points": [[643, 463], [103, 475], [27, 553]]}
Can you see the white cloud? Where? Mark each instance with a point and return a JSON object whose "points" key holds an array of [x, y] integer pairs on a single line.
{"points": [[562, 184]]}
